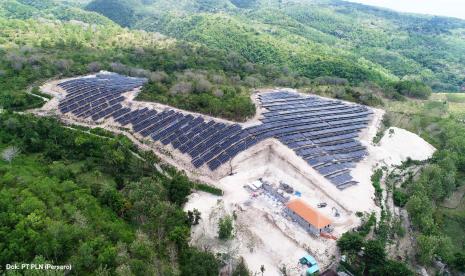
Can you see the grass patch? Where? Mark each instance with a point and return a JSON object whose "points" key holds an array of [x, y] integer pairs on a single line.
{"points": [[102, 132], [455, 97], [208, 189], [36, 91]]}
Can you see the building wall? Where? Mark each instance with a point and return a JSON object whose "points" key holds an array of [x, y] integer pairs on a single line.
{"points": [[303, 223]]}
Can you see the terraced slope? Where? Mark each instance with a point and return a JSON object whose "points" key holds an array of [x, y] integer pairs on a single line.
{"points": [[323, 132]]}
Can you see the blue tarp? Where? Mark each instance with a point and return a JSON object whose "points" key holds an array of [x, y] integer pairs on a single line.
{"points": [[310, 260], [313, 269]]}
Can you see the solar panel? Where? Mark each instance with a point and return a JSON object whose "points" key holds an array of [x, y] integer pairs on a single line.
{"points": [[323, 132]]}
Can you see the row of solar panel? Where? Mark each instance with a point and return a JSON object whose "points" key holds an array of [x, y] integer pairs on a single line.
{"points": [[301, 105], [311, 123], [323, 115], [332, 150], [308, 111]]}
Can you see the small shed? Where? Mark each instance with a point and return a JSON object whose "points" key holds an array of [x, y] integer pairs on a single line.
{"points": [[309, 261], [309, 218]]}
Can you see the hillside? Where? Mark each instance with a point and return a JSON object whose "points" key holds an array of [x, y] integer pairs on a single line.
{"points": [[50, 9], [314, 38], [48, 48], [104, 203]]}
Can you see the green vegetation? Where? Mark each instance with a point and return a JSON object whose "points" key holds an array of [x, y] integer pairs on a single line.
{"points": [[195, 91], [184, 75], [455, 98], [368, 256], [414, 89], [400, 198], [230, 53], [372, 44], [194, 217], [385, 124], [120, 11], [36, 91], [350, 241], [68, 197], [241, 269], [207, 188], [439, 230], [376, 181], [225, 228], [50, 10]]}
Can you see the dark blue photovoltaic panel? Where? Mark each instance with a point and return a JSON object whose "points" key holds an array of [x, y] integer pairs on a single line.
{"points": [[321, 131]]}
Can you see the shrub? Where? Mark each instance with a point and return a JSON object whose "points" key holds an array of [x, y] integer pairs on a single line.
{"points": [[350, 241], [225, 228], [209, 189], [414, 89]]}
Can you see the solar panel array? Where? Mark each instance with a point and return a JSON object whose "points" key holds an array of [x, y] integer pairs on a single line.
{"points": [[97, 97], [323, 132]]}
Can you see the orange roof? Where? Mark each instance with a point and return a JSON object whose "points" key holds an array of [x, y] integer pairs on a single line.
{"points": [[309, 214]]}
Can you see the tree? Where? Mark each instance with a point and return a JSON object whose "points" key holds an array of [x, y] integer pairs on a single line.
{"points": [[415, 89], [241, 269], [202, 85], [179, 235], [10, 153], [179, 188], [400, 198], [350, 241], [374, 253], [394, 268], [225, 228], [94, 66], [182, 88], [431, 245], [459, 261], [193, 216], [158, 76], [420, 208], [63, 64], [198, 263]]}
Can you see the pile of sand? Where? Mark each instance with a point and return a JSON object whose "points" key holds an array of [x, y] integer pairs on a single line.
{"points": [[399, 144]]}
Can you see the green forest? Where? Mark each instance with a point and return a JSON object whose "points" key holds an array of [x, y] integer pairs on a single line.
{"points": [[91, 198], [312, 38], [93, 201]]}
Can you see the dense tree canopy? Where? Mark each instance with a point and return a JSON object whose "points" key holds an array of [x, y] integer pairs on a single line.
{"points": [[319, 38], [74, 198]]}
